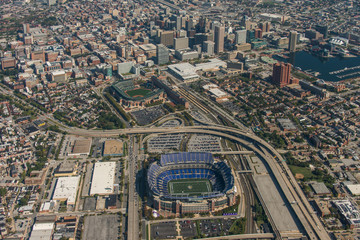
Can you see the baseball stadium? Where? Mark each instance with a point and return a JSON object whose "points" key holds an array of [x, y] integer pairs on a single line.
{"points": [[130, 96], [190, 182]]}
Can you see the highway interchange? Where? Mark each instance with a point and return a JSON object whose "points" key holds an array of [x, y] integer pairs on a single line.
{"points": [[310, 222], [288, 185]]}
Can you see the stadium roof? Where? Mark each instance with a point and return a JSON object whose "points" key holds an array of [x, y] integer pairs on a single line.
{"points": [[103, 178]]}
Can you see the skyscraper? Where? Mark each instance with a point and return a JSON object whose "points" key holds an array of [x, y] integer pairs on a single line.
{"points": [[281, 74], [219, 39], [26, 28], [162, 54], [292, 41], [167, 38], [208, 47], [240, 37]]}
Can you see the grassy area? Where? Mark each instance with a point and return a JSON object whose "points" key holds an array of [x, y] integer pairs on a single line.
{"points": [[238, 227], [138, 92], [302, 170], [189, 186]]}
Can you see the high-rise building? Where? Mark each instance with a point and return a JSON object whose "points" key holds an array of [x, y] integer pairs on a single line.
{"points": [[178, 23], [26, 28], [219, 39], [181, 43], [167, 38], [208, 47], [240, 37], [281, 74], [162, 54], [323, 29], [258, 33], [265, 26], [292, 41]]}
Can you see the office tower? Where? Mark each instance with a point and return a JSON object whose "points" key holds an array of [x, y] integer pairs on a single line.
{"points": [[250, 36], [178, 23], [152, 25], [190, 24], [292, 41], [162, 54], [26, 28], [208, 47], [268, 26], [181, 33], [281, 74], [258, 33], [167, 38], [181, 43], [240, 37], [323, 29], [219, 39]]}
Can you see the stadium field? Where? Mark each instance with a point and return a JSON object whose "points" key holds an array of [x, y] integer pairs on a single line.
{"points": [[189, 186], [140, 92]]}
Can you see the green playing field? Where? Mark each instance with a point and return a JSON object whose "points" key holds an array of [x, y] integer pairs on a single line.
{"points": [[138, 92], [189, 186]]}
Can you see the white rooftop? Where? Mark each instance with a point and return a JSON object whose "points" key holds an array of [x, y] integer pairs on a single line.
{"points": [[354, 189], [66, 188], [103, 178], [217, 92], [42, 231]]}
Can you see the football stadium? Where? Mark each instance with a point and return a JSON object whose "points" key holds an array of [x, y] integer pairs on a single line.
{"points": [[190, 182], [130, 96]]}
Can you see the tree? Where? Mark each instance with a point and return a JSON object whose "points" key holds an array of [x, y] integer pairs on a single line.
{"points": [[3, 192]]}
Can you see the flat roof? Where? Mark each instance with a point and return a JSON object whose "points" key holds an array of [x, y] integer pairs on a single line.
{"points": [[148, 47], [66, 189], [184, 70], [354, 189], [42, 231], [81, 147], [218, 92], [103, 178], [320, 188], [113, 147]]}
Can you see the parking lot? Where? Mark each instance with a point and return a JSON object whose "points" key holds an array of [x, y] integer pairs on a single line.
{"points": [[163, 143], [188, 229], [171, 123], [164, 230], [102, 227], [204, 143], [148, 115], [89, 204], [215, 227]]}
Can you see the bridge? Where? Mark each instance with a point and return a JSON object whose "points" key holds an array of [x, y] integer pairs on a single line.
{"points": [[278, 167], [233, 152]]}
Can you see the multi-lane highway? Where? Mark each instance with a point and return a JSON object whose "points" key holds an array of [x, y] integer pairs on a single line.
{"points": [[133, 213], [312, 225]]}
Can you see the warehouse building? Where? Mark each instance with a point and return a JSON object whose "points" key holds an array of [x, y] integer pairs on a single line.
{"points": [[66, 189], [103, 178], [81, 147]]}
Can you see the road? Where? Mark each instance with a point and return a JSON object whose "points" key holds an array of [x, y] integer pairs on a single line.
{"points": [[133, 213], [267, 153], [278, 167]]}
